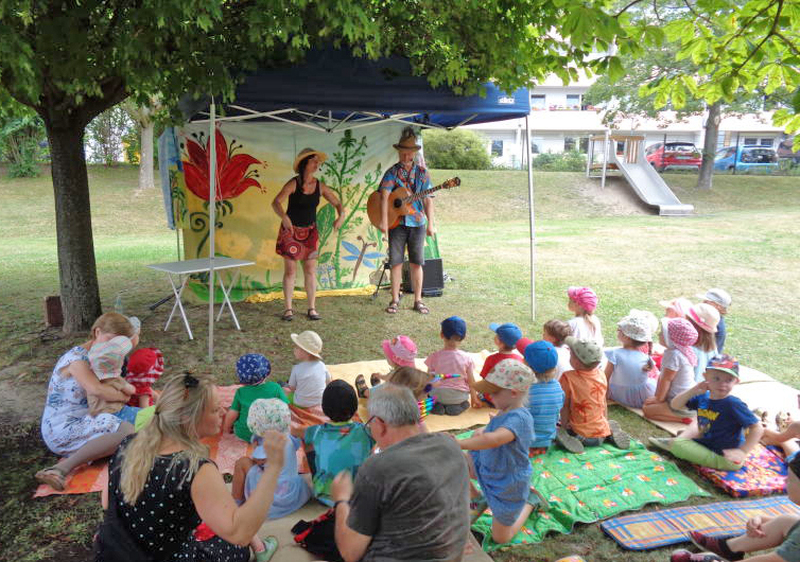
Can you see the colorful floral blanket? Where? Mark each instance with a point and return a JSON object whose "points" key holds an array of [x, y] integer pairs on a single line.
{"points": [[763, 473], [597, 484]]}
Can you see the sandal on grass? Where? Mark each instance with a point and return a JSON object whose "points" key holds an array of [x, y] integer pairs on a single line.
{"points": [[361, 386], [313, 314], [53, 477], [392, 308], [420, 307], [288, 315]]}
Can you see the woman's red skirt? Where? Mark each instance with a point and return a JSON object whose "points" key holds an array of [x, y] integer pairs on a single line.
{"points": [[300, 245]]}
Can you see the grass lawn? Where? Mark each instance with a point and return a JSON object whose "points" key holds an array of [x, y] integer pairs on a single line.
{"points": [[742, 238]]}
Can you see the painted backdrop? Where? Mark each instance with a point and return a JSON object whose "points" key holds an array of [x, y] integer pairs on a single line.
{"points": [[254, 160]]}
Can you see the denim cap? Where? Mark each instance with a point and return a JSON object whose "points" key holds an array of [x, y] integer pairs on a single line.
{"points": [[454, 326], [252, 368], [541, 356], [507, 333]]}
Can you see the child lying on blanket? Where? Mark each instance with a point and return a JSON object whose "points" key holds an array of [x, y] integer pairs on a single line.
{"points": [[717, 440], [499, 452], [400, 351], [762, 533]]}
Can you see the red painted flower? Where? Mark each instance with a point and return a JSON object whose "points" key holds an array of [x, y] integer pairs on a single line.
{"points": [[233, 179]]}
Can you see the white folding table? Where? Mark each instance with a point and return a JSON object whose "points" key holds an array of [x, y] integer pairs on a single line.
{"points": [[184, 268]]}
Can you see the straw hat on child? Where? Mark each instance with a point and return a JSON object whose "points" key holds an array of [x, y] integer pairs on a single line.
{"points": [[310, 342]]}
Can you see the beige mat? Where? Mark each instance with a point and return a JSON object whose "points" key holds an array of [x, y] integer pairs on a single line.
{"points": [[757, 390], [470, 418], [288, 551]]}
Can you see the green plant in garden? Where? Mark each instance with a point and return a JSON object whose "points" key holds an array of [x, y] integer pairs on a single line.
{"points": [[459, 149], [21, 131]]}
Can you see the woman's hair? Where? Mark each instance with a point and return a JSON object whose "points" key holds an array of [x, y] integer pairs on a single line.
{"points": [[113, 323], [558, 330], [705, 340], [339, 401], [301, 169], [179, 411], [411, 378]]}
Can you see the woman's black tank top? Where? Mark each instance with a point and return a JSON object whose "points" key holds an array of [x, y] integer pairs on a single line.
{"points": [[302, 208]]}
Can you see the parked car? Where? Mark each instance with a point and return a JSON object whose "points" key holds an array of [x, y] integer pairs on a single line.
{"points": [[785, 151], [746, 158], [673, 155]]}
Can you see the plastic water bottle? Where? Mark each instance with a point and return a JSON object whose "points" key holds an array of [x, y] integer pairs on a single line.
{"points": [[118, 304]]}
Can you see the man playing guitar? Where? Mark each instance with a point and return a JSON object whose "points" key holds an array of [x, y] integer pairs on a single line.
{"points": [[413, 227]]}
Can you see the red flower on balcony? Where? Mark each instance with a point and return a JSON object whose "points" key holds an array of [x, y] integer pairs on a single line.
{"points": [[233, 177]]}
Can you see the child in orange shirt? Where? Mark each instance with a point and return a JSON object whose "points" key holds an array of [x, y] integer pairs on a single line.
{"points": [[584, 417]]}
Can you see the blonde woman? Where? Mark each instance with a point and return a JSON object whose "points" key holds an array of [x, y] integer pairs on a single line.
{"points": [[162, 484], [67, 428]]}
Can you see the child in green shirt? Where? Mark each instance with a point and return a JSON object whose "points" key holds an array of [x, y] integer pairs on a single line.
{"points": [[252, 369]]}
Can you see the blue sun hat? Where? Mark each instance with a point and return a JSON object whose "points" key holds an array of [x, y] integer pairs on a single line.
{"points": [[252, 368]]}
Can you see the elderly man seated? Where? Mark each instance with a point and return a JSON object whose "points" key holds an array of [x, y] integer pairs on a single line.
{"points": [[410, 501]]}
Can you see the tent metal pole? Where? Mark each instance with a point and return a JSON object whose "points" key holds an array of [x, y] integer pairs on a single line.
{"points": [[532, 223], [212, 212]]}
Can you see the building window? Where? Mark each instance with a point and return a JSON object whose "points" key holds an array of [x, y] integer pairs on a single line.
{"points": [[750, 141], [569, 144], [497, 148], [573, 101], [766, 142], [538, 102], [584, 145]]}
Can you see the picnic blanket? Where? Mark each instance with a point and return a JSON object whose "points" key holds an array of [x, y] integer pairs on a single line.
{"points": [[644, 531], [764, 473], [597, 484]]}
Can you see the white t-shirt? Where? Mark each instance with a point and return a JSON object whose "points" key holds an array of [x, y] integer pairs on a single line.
{"points": [[309, 380], [563, 361], [676, 361], [582, 329]]}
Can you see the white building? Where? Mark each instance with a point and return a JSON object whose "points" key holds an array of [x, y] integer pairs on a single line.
{"points": [[560, 121]]}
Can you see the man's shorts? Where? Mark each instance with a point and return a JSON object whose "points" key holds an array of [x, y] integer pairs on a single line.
{"points": [[411, 236]]}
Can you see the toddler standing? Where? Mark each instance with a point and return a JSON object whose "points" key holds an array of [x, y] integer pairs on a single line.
{"points": [[499, 452], [720, 300], [310, 376], [628, 368], [545, 397], [252, 370], [453, 395], [677, 371], [556, 332], [584, 417]]}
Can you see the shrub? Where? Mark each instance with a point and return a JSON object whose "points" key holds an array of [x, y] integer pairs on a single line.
{"points": [[459, 149], [572, 161]]}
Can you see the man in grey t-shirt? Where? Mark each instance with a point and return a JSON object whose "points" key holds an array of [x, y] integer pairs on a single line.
{"points": [[411, 500]]}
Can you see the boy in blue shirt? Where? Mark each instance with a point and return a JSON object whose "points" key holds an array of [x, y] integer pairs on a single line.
{"points": [[545, 396], [717, 439]]}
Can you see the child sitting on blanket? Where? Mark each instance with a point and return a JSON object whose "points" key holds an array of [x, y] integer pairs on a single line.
{"points": [[453, 395], [584, 417], [505, 339], [556, 332], [292, 490], [545, 397], [105, 360], [341, 444], [628, 368], [499, 452], [718, 440], [252, 370], [677, 371], [585, 324], [761, 533], [721, 301], [145, 367], [786, 436], [310, 376], [400, 351]]}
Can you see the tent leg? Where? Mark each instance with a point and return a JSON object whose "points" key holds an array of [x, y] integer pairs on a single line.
{"points": [[531, 217], [212, 211]]}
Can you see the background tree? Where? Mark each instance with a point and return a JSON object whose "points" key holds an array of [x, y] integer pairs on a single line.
{"points": [[144, 116], [21, 136], [459, 149], [105, 133], [71, 60]]}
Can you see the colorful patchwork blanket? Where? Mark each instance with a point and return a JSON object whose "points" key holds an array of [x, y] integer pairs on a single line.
{"points": [[763, 473]]}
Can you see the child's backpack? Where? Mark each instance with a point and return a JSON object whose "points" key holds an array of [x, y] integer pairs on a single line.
{"points": [[318, 536]]}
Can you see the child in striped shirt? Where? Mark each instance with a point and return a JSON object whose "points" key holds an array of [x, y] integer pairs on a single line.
{"points": [[545, 396]]}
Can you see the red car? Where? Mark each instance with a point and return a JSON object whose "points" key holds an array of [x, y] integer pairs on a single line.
{"points": [[673, 155]]}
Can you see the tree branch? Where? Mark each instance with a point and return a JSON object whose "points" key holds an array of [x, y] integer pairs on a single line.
{"points": [[771, 32], [695, 14], [625, 9]]}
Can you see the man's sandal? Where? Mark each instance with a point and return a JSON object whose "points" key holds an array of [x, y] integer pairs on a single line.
{"points": [[53, 477], [392, 308], [313, 314], [420, 307], [288, 315]]}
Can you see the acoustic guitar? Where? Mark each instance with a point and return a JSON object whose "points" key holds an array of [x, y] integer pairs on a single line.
{"points": [[400, 201]]}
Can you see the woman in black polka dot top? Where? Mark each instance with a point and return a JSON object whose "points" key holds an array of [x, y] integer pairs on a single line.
{"points": [[162, 485]]}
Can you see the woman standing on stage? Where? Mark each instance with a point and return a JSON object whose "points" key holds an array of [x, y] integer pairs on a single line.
{"points": [[298, 239]]}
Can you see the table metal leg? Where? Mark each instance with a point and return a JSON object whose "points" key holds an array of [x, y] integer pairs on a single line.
{"points": [[179, 305], [226, 300]]}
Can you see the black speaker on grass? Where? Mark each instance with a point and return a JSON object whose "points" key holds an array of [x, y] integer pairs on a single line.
{"points": [[432, 278]]}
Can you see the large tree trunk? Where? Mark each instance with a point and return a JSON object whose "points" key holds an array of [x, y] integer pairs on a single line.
{"points": [[146, 179], [706, 174], [80, 295]]}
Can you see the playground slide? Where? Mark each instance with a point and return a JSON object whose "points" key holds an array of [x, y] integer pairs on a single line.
{"points": [[650, 187]]}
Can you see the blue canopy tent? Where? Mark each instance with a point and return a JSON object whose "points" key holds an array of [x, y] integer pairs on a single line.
{"points": [[333, 91]]}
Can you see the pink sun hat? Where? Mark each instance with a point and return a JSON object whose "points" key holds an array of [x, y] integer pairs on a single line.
{"points": [[401, 351], [585, 297]]}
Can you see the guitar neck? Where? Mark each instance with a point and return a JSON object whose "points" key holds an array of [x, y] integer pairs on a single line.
{"points": [[421, 194]]}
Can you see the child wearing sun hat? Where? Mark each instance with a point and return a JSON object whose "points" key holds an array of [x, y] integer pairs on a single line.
{"points": [[721, 300], [628, 368], [310, 375], [400, 351], [545, 396], [705, 319], [252, 370]]}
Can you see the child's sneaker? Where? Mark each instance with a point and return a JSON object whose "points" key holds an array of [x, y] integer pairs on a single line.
{"points": [[570, 443], [618, 437], [718, 546], [664, 443], [456, 409], [270, 546]]}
